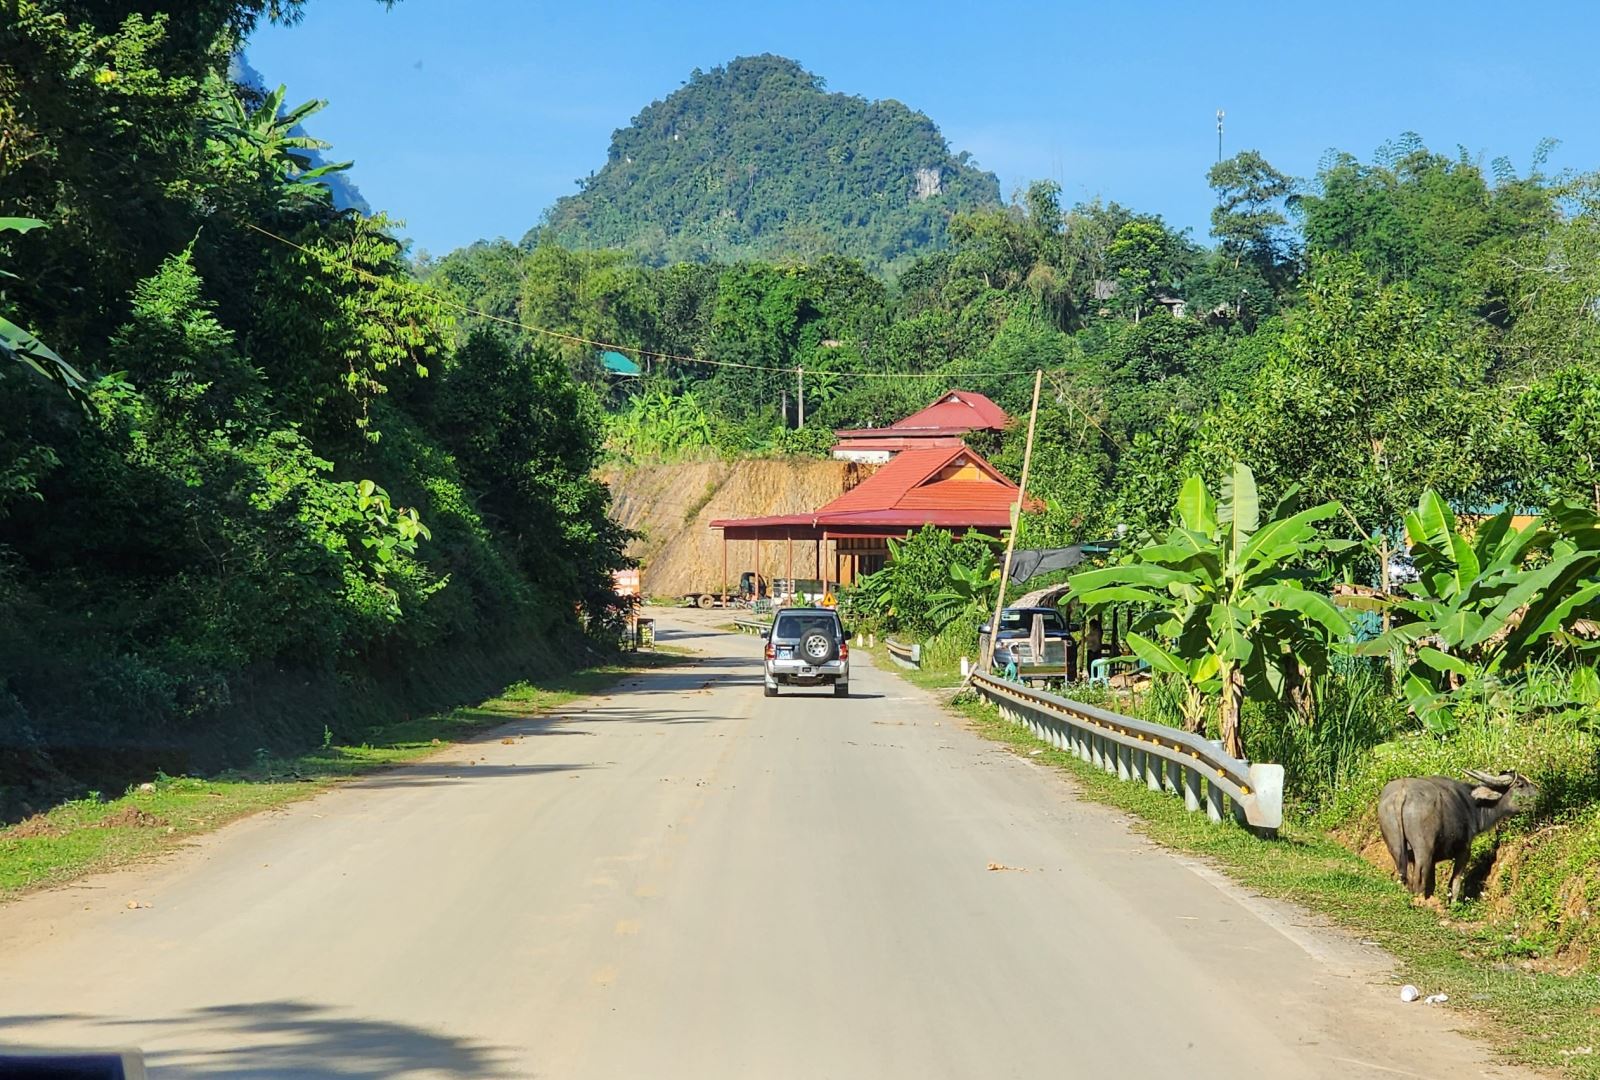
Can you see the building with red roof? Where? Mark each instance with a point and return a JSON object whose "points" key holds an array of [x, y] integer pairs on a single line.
{"points": [[948, 486], [942, 424]]}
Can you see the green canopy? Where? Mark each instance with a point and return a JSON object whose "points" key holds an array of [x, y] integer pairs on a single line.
{"points": [[618, 364]]}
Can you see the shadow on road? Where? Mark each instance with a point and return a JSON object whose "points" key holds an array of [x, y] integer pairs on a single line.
{"points": [[288, 1038], [431, 773]]}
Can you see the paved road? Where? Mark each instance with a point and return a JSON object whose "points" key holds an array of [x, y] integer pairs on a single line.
{"points": [[687, 880]]}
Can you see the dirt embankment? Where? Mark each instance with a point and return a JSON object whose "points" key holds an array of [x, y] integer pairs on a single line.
{"points": [[671, 507]]}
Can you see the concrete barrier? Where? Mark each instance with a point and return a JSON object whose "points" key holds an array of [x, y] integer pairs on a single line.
{"points": [[1162, 758]]}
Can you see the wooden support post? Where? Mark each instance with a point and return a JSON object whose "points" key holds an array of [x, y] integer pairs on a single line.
{"points": [[724, 567], [791, 568], [986, 661]]}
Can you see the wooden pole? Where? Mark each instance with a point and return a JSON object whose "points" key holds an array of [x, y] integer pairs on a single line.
{"points": [[791, 568], [1016, 522], [724, 567]]}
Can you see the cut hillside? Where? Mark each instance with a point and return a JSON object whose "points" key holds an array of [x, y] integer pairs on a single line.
{"points": [[758, 160], [671, 507]]}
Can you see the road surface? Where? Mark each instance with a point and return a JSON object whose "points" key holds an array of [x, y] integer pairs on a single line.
{"points": [[687, 881]]}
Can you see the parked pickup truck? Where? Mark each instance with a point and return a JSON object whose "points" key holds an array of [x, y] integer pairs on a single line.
{"points": [[751, 588], [1012, 645]]}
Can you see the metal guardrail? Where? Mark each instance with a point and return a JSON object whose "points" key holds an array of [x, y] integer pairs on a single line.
{"points": [[907, 656], [1163, 758], [751, 626]]}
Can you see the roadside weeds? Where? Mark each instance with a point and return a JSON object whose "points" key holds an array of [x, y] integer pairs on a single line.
{"points": [[90, 835]]}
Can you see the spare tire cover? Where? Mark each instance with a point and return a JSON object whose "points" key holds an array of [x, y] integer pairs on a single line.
{"points": [[818, 647]]}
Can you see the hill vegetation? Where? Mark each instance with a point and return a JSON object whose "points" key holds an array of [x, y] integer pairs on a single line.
{"points": [[757, 160], [253, 497]]}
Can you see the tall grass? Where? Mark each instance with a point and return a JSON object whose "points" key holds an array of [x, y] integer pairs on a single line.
{"points": [[1356, 710]]}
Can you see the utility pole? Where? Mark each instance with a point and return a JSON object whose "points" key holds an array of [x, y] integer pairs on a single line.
{"points": [[1219, 136], [986, 659]]}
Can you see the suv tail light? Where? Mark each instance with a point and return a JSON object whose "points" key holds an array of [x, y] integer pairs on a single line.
{"points": [[772, 651], [844, 650]]}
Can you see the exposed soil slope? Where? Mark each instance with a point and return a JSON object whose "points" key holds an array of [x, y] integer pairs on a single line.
{"points": [[672, 507]]}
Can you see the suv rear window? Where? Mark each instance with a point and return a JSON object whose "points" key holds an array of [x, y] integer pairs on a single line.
{"points": [[797, 626], [1014, 619]]}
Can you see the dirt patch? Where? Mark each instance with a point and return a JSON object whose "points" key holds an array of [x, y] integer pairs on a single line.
{"points": [[131, 817], [31, 828]]}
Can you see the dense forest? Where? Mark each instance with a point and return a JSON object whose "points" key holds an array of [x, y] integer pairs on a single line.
{"points": [[255, 490], [757, 160], [1389, 325]]}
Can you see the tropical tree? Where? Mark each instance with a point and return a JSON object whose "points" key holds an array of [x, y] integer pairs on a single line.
{"points": [[1246, 218], [23, 347], [1488, 601], [269, 139], [1228, 610], [969, 594]]}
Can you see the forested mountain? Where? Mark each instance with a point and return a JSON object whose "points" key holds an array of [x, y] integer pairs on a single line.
{"points": [[756, 159], [1414, 320]]}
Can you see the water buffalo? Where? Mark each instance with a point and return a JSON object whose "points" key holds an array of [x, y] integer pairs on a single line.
{"points": [[1428, 819]]}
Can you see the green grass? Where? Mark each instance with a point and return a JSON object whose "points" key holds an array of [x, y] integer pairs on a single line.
{"points": [[1533, 1017], [92, 834]]}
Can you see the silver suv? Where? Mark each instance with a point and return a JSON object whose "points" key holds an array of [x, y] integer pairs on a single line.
{"points": [[807, 647]]}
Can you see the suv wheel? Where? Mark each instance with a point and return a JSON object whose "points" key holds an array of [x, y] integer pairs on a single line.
{"points": [[841, 689], [769, 691]]}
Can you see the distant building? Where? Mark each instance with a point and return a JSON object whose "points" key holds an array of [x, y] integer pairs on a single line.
{"points": [[1175, 306], [942, 424], [928, 477]]}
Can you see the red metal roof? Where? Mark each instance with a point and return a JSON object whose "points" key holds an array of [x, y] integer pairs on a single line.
{"points": [[906, 494], [955, 413]]}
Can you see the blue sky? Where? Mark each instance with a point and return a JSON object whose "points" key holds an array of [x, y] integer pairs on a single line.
{"points": [[467, 118]]}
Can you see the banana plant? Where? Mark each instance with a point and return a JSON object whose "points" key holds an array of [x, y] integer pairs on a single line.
{"points": [[266, 137], [970, 591], [1489, 601], [21, 346], [1227, 607]]}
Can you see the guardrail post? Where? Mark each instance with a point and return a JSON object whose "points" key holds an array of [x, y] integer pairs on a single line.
{"points": [[1266, 784], [1174, 777], [1191, 788], [1152, 771], [916, 654], [1214, 807], [1124, 761]]}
